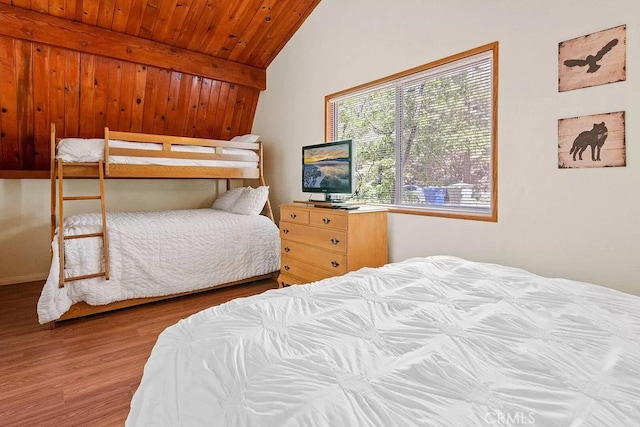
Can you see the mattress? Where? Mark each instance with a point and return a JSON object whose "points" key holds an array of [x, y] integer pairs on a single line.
{"points": [[92, 150], [436, 341], [158, 253]]}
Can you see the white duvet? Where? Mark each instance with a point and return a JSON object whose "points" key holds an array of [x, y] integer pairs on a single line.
{"points": [[159, 253], [92, 150], [428, 342]]}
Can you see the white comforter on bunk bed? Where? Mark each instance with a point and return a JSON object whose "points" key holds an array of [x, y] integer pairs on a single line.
{"points": [[158, 253], [92, 150]]}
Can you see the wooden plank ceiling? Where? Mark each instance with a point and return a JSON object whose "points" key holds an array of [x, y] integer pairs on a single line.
{"points": [[250, 32], [178, 67]]}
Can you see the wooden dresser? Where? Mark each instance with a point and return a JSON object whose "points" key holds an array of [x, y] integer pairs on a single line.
{"points": [[317, 243]]}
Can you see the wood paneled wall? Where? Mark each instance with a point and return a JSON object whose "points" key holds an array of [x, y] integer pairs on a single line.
{"points": [[82, 93]]}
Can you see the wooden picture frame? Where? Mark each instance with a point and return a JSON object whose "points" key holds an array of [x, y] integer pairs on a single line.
{"points": [[595, 141], [592, 60]]}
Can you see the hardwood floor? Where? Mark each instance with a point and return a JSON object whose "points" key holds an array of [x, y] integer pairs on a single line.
{"points": [[85, 371]]}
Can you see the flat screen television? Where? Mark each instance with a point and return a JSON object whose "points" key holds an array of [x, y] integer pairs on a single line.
{"points": [[328, 168]]}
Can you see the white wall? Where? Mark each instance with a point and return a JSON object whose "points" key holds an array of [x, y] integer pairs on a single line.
{"points": [[578, 223], [25, 207]]}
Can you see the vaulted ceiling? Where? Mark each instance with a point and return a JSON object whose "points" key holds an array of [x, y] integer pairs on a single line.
{"points": [[250, 32]]}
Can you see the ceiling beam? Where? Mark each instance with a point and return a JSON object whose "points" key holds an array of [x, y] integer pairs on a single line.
{"points": [[41, 28]]}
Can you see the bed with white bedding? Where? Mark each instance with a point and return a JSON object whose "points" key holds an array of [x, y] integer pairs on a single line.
{"points": [[435, 341], [169, 266], [159, 253], [139, 155], [93, 150]]}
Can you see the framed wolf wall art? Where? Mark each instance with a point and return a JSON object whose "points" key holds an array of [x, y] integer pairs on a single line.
{"points": [[595, 141], [592, 60]]}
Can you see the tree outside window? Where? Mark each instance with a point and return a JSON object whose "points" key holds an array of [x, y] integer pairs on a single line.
{"points": [[425, 139]]}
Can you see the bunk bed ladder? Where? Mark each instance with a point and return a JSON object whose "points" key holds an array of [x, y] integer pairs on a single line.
{"points": [[103, 234]]}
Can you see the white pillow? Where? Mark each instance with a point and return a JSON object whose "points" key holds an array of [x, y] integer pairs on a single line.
{"points": [[246, 138], [81, 149], [228, 199], [251, 201]]}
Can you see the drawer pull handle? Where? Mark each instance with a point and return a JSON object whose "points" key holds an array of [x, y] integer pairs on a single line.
{"points": [[326, 220], [335, 264], [287, 249], [335, 241], [287, 268], [285, 230], [293, 216]]}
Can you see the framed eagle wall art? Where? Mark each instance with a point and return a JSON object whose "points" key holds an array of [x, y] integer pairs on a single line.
{"points": [[592, 60]]}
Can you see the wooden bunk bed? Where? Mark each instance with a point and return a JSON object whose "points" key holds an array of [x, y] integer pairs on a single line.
{"points": [[194, 158]]}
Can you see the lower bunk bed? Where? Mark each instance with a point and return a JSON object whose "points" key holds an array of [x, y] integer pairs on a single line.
{"points": [[155, 255], [150, 256]]}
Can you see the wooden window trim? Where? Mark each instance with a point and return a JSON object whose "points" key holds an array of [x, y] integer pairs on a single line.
{"points": [[494, 48]]}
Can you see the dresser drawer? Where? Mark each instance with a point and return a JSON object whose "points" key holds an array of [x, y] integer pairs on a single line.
{"points": [[294, 215], [302, 270], [325, 238], [328, 219], [334, 262]]}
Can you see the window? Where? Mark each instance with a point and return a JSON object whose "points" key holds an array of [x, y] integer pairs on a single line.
{"points": [[426, 138]]}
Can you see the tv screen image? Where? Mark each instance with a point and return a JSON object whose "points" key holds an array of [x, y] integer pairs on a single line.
{"points": [[327, 168]]}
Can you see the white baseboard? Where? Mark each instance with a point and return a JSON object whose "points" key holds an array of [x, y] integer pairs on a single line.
{"points": [[22, 279]]}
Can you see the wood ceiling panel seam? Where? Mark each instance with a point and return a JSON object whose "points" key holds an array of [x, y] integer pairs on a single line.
{"points": [[24, 93], [8, 104], [134, 20], [261, 33], [106, 13], [173, 97], [56, 8], [41, 101], [149, 19], [232, 29], [90, 12], [121, 16], [251, 112], [238, 110], [149, 99], [57, 90], [203, 26], [101, 90], [211, 109], [114, 93], [87, 90], [201, 113], [161, 104], [25, 4], [175, 122], [138, 99], [183, 34], [177, 24], [170, 14], [70, 9], [71, 92], [194, 96], [218, 119], [126, 96], [40, 6], [230, 108]]}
